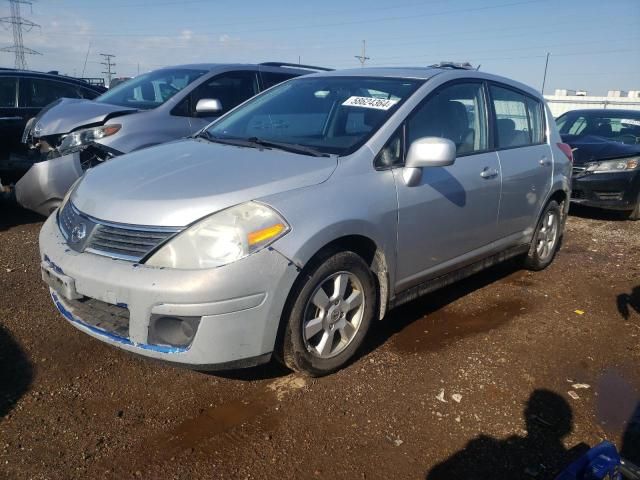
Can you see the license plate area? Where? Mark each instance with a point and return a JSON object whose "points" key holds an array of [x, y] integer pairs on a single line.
{"points": [[62, 284]]}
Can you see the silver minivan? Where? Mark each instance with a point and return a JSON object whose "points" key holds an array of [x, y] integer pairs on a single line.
{"points": [[293, 222]]}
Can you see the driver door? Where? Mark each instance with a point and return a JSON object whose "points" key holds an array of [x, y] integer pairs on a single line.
{"points": [[452, 212]]}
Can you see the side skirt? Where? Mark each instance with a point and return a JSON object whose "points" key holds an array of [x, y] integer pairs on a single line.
{"points": [[452, 277]]}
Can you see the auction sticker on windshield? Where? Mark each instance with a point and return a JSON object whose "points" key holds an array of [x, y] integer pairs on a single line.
{"points": [[628, 121], [368, 102]]}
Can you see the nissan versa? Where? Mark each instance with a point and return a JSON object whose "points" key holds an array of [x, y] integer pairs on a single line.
{"points": [[291, 223]]}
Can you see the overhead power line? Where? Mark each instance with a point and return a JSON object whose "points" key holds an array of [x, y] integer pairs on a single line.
{"points": [[108, 64], [18, 24]]}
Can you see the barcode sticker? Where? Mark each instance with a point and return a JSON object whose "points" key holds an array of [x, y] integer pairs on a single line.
{"points": [[368, 102]]}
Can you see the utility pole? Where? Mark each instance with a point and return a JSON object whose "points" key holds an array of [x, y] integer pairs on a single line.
{"points": [[544, 79], [108, 64], [363, 56], [18, 24]]}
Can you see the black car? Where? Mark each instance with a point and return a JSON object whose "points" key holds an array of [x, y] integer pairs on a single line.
{"points": [[22, 95], [606, 153]]}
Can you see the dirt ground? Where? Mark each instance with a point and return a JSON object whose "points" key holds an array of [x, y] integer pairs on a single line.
{"points": [[508, 374]]}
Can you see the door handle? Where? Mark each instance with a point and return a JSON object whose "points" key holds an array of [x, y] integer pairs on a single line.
{"points": [[544, 162], [10, 118], [489, 172]]}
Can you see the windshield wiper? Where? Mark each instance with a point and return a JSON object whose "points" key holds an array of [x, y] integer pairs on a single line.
{"points": [[238, 142], [289, 147]]}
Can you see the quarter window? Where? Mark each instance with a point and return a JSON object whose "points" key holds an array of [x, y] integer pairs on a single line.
{"points": [[518, 118], [456, 112]]}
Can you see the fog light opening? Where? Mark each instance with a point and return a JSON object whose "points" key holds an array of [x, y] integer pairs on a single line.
{"points": [[173, 331]]}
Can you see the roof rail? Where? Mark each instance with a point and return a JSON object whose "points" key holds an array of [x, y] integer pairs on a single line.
{"points": [[296, 65], [455, 65]]}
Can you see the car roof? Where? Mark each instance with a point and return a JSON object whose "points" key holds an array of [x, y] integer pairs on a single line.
{"points": [[53, 76], [214, 66], [422, 73]]}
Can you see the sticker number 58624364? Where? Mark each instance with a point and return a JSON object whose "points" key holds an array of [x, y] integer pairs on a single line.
{"points": [[368, 102]]}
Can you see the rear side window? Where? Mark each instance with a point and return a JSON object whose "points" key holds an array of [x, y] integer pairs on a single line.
{"points": [[38, 92], [8, 88], [518, 118], [269, 79]]}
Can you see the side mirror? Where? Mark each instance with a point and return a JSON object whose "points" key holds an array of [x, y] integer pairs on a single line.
{"points": [[208, 105], [427, 152]]}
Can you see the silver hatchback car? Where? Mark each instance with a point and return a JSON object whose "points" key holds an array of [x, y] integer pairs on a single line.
{"points": [[294, 221]]}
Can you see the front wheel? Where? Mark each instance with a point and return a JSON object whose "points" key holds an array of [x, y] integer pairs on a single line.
{"points": [[330, 316], [546, 238], [635, 213]]}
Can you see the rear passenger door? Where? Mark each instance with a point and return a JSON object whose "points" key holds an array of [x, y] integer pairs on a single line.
{"points": [[452, 213], [525, 158]]}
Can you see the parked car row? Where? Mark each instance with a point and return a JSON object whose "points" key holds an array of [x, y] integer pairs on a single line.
{"points": [[294, 221]]}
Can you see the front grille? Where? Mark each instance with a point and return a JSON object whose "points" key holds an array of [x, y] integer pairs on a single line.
{"points": [[105, 316], [124, 242]]}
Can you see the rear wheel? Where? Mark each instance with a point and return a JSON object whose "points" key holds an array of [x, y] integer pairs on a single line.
{"points": [[330, 316], [546, 238]]}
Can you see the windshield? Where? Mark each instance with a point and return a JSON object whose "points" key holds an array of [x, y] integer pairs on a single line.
{"points": [[329, 114], [150, 90], [617, 126]]}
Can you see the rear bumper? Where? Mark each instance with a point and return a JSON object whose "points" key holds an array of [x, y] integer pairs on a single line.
{"points": [[615, 191]]}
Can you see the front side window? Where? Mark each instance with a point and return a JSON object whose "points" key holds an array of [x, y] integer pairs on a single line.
{"points": [[150, 90], [518, 118], [269, 79], [330, 114], [231, 89], [456, 112], [8, 89]]}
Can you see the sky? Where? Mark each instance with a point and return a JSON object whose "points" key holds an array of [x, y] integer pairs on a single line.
{"points": [[594, 44]]}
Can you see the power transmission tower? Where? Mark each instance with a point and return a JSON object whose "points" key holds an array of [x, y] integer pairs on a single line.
{"points": [[108, 64], [18, 24], [363, 56]]}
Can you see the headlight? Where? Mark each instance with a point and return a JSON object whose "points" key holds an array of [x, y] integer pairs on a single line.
{"points": [[87, 135], [607, 166], [222, 238]]}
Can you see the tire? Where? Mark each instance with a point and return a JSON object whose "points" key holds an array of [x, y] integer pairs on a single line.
{"points": [[635, 213], [331, 310], [546, 238]]}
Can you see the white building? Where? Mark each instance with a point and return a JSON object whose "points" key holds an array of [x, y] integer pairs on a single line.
{"points": [[565, 100]]}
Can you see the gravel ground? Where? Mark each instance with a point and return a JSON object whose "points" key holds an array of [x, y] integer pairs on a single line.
{"points": [[508, 374]]}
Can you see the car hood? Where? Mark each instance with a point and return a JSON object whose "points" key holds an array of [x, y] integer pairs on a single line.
{"points": [[180, 182], [590, 148], [67, 114]]}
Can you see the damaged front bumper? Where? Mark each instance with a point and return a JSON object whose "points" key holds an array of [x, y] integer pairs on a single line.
{"points": [[234, 310], [45, 184], [613, 191]]}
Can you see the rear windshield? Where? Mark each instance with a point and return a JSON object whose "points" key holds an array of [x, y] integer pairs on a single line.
{"points": [[330, 114], [150, 90], [621, 127]]}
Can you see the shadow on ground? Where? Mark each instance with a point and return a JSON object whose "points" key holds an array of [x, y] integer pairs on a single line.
{"points": [[630, 449], [404, 316], [627, 302], [598, 213], [16, 372], [12, 215], [540, 454]]}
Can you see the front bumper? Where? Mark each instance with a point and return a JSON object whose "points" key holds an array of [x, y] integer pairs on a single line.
{"points": [[615, 191], [238, 306]]}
